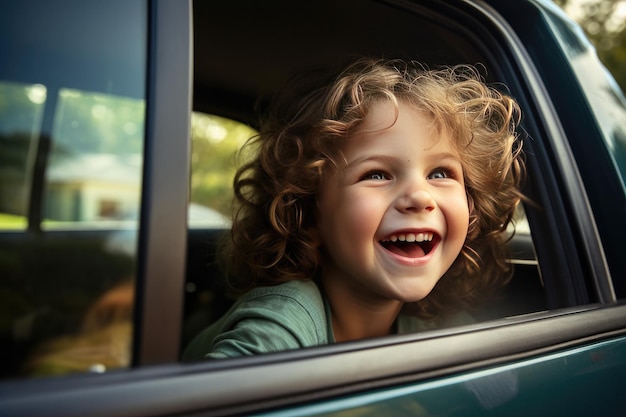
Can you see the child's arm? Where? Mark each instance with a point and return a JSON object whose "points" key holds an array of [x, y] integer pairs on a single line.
{"points": [[262, 335], [267, 319]]}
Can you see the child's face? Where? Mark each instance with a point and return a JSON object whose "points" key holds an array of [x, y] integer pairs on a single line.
{"points": [[394, 219]]}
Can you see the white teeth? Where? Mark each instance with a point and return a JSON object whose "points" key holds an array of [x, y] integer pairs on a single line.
{"points": [[411, 237]]}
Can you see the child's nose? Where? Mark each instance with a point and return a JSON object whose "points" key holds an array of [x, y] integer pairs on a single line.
{"points": [[415, 200], [416, 197]]}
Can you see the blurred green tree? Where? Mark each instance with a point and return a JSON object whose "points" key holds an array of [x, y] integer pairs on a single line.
{"points": [[606, 28], [214, 146]]}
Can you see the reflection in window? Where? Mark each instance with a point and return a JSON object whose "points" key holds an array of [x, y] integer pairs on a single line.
{"points": [[95, 162], [71, 145], [21, 110], [68, 299]]}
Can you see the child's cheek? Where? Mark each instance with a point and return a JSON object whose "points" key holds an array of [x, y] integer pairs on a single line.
{"points": [[457, 216], [359, 214]]}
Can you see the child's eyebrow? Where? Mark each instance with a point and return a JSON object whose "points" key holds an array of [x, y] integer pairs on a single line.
{"points": [[369, 158], [447, 156], [441, 156]]}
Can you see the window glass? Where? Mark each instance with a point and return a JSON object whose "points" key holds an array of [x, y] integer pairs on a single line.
{"points": [[72, 104], [94, 166], [21, 110]]}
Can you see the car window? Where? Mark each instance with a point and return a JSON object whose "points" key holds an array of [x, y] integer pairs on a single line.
{"points": [[225, 86], [72, 114]]}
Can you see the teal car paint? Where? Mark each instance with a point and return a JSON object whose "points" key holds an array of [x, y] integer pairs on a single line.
{"points": [[582, 381]]}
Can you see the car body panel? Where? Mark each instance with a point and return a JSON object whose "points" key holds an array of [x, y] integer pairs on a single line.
{"points": [[571, 72], [508, 390], [320, 375]]}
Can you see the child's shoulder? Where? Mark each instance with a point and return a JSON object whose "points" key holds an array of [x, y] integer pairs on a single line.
{"points": [[293, 303], [293, 297], [266, 319], [299, 290]]}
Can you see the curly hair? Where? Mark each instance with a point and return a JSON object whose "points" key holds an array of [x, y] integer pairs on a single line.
{"points": [[272, 239]]}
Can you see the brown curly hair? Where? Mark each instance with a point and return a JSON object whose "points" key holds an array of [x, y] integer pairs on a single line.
{"points": [[272, 238]]}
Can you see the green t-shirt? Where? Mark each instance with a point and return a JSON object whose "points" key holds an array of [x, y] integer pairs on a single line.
{"points": [[288, 316]]}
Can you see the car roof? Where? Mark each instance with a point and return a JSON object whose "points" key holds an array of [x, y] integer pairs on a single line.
{"points": [[232, 75]]}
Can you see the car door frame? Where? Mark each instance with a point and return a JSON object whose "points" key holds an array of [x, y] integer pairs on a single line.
{"points": [[165, 197]]}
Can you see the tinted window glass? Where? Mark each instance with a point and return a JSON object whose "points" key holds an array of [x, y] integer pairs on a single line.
{"points": [[72, 89], [93, 170], [21, 111]]}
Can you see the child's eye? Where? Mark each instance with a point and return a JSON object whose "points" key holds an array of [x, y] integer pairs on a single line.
{"points": [[375, 176], [440, 173]]}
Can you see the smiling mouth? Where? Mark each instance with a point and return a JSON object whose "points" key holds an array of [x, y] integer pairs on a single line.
{"points": [[410, 245]]}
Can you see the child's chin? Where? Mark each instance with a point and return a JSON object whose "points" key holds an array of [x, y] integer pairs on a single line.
{"points": [[416, 297]]}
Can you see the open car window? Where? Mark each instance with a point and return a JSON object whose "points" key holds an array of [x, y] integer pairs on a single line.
{"points": [[228, 91]]}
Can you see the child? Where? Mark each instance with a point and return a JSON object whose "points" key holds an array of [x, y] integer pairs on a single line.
{"points": [[372, 206]]}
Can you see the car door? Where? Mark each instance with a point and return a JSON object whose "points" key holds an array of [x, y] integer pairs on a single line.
{"points": [[555, 342]]}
